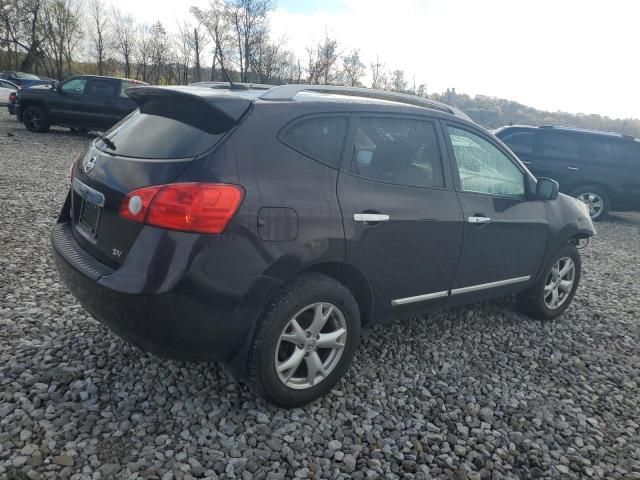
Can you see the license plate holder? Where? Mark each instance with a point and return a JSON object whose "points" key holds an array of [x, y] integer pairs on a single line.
{"points": [[89, 217]]}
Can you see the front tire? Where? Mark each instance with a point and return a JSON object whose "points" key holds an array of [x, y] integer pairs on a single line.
{"points": [[35, 119], [596, 199], [551, 295], [305, 341]]}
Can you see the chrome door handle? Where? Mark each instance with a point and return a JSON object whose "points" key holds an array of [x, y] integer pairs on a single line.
{"points": [[479, 220], [574, 169], [370, 217], [526, 163]]}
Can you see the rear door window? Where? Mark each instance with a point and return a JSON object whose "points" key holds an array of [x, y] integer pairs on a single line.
{"points": [[102, 88], [320, 138], [560, 146], [520, 142], [397, 150]]}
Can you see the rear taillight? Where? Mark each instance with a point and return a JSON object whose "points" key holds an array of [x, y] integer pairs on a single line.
{"points": [[12, 97], [189, 207]]}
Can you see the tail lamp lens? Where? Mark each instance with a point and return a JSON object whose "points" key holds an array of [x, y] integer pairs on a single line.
{"points": [[189, 207]]}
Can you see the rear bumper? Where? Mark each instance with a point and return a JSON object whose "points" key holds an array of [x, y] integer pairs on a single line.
{"points": [[196, 319]]}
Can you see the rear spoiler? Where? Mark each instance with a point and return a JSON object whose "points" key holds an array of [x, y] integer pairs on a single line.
{"points": [[213, 111]]}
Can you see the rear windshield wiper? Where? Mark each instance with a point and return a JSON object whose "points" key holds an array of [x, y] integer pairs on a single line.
{"points": [[104, 138]]}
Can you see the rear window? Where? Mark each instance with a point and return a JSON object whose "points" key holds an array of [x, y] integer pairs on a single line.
{"points": [[320, 138], [165, 130]]}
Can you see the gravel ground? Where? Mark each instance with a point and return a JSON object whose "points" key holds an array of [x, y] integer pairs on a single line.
{"points": [[478, 392]]}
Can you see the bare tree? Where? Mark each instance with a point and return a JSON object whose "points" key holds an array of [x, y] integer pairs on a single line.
{"points": [[185, 47], [143, 53], [398, 81], [352, 68], [321, 61], [160, 51], [62, 33], [99, 32], [22, 29], [200, 42], [215, 21], [378, 75], [124, 38], [249, 21]]}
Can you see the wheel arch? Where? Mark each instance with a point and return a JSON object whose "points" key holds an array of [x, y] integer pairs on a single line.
{"points": [[351, 278], [342, 272], [602, 186]]}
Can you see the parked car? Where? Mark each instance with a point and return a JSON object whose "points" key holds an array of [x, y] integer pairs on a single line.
{"points": [[24, 80], [81, 102], [601, 169], [6, 89], [264, 229]]}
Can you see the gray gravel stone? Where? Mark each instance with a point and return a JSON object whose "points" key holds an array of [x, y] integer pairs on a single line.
{"points": [[473, 392]]}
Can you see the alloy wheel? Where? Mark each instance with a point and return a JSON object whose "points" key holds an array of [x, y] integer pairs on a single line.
{"points": [[594, 202], [559, 283], [34, 119], [311, 345]]}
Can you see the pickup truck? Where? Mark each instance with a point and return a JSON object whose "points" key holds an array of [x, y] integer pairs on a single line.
{"points": [[81, 102]]}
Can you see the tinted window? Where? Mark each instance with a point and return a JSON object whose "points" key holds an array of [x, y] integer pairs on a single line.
{"points": [[397, 150], [605, 150], [4, 84], [320, 138], [124, 84], [75, 86], [482, 167], [520, 142], [165, 130], [26, 76], [560, 146], [102, 88]]}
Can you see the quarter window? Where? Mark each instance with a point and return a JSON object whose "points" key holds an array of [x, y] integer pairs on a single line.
{"points": [[564, 147], [320, 138], [398, 150], [75, 86], [521, 143], [482, 167]]}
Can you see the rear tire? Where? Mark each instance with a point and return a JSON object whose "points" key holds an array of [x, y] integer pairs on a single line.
{"points": [[552, 294], [596, 199], [35, 120], [305, 341]]}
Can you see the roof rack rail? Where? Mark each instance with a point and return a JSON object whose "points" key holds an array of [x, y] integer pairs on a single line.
{"points": [[288, 92], [231, 86]]}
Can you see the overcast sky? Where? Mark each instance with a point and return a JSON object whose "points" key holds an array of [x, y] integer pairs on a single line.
{"points": [[570, 55]]}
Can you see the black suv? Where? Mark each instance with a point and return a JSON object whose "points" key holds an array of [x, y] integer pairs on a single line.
{"points": [[80, 102], [265, 228], [601, 169]]}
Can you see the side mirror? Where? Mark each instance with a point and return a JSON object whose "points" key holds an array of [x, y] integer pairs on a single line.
{"points": [[547, 189]]}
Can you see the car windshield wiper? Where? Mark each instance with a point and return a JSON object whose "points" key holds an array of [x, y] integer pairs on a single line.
{"points": [[104, 138]]}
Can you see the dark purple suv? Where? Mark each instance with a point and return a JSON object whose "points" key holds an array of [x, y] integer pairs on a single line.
{"points": [[265, 228]]}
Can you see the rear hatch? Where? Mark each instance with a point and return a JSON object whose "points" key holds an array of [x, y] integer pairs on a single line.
{"points": [[152, 146]]}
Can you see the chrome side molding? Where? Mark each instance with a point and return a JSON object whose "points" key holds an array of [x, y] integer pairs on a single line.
{"points": [[458, 291], [482, 286], [419, 298]]}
